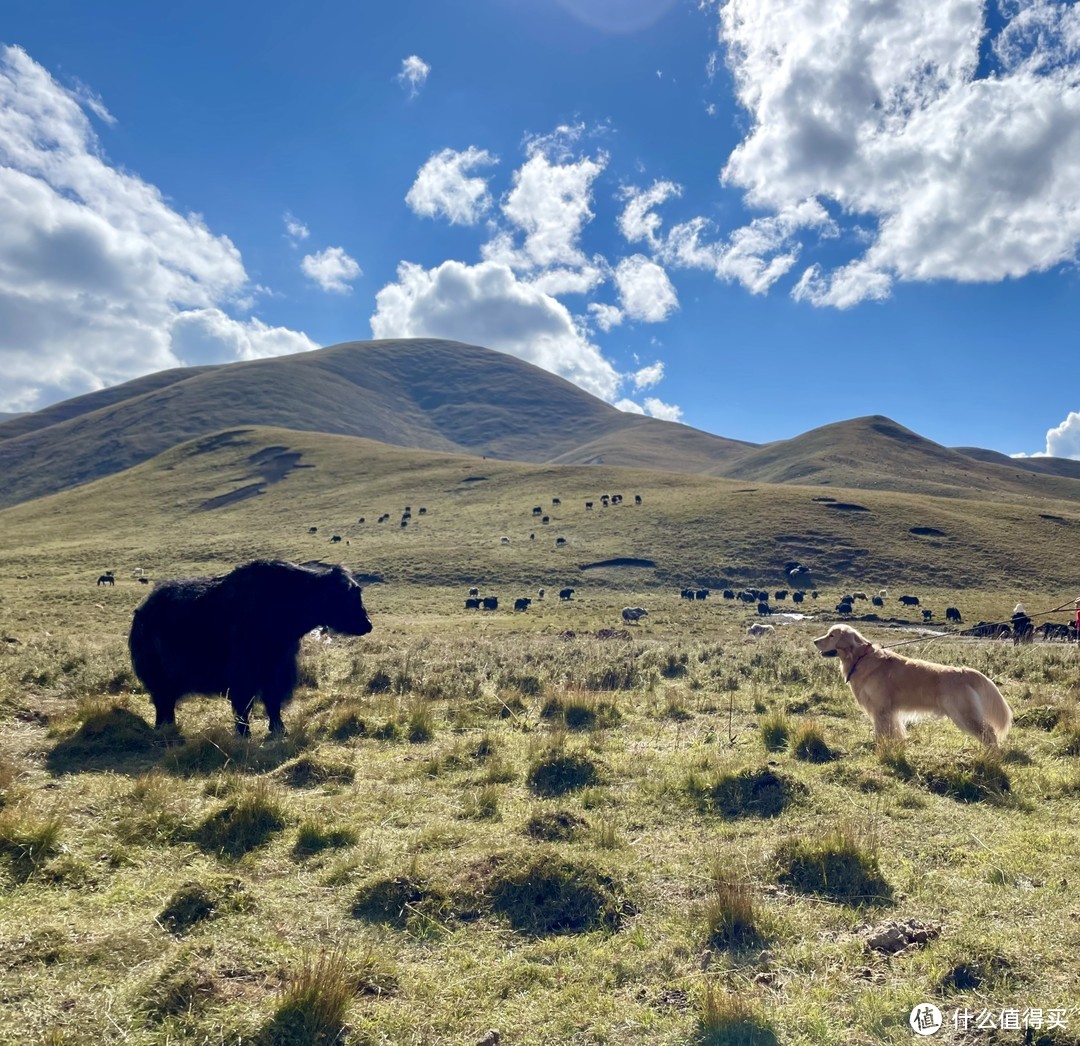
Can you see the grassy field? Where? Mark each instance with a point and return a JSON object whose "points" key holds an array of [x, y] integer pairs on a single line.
{"points": [[541, 823]]}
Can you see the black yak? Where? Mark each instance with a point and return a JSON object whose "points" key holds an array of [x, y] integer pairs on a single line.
{"points": [[238, 634]]}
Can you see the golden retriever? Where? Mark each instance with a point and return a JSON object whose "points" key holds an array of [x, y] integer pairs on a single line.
{"points": [[891, 688]]}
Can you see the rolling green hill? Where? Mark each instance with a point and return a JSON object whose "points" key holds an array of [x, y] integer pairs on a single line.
{"points": [[447, 397], [428, 394], [257, 491], [876, 453]]}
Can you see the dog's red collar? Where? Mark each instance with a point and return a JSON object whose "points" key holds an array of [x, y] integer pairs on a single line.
{"points": [[866, 650]]}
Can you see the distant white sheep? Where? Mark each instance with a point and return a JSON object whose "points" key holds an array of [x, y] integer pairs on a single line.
{"points": [[758, 629]]}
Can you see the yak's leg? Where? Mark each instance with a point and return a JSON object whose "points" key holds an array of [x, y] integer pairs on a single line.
{"points": [[242, 702], [165, 710], [277, 691]]}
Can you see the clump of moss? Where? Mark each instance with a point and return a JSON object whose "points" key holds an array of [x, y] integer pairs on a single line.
{"points": [[196, 902]]}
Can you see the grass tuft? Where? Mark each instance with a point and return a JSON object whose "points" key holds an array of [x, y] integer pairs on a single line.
{"points": [[977, 779], [198, 902], [242, 825], [558, 773], [313, 1004], [308, 772], [775, 732], [809, 745], [730, 1019], [729, 916], [551, 894], [834, 866], [749, 793], [554, 826], [313, 838], [27, 841], [400, 901]]}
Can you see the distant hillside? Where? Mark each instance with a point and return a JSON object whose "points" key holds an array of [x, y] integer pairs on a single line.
{"points": [[447, 397], [1066, 467], [253, 492], [876, 453], [421, 393]]}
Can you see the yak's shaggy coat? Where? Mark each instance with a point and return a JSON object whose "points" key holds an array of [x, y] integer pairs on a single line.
{"points": [[890, 687], [238, 634]]}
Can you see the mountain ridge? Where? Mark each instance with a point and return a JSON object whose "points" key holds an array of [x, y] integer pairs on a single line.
{"points": [[449, 397]]}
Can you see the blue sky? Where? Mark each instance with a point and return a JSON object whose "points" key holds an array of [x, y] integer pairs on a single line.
{"points": [[753, 216]]}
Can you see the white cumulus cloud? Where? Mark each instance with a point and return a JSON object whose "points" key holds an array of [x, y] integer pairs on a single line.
{"points": [[550, 204], [653, 407], [639, 221], [488, 304], [956, 140], [645, 290], [647, 377], [605, 316], [665, 411], [1063, 441], [332, 269], [444, 188], [209, 335], [95, 266], [413, 75]]}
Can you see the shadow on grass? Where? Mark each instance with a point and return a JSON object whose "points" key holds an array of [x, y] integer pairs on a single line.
{"points": [[115, 739]]}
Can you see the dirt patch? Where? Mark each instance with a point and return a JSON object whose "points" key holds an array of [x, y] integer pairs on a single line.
{"points": [[847, 506], [622, 561], [893, 936], [928, 532]]}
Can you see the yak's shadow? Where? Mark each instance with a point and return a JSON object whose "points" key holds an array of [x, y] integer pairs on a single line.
{"points": [[120, 741]]}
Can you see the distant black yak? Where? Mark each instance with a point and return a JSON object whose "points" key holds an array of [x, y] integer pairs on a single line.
{"points": [[238, 634]]}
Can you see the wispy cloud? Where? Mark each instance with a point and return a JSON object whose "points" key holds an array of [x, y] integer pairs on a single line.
{"points": [[295, 229], [414, 74]]}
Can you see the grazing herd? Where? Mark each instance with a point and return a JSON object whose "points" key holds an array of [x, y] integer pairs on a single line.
{"points": [[239, 634]]}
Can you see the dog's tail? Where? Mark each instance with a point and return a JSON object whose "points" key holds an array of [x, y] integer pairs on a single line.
{"points": [[996, 711]]}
